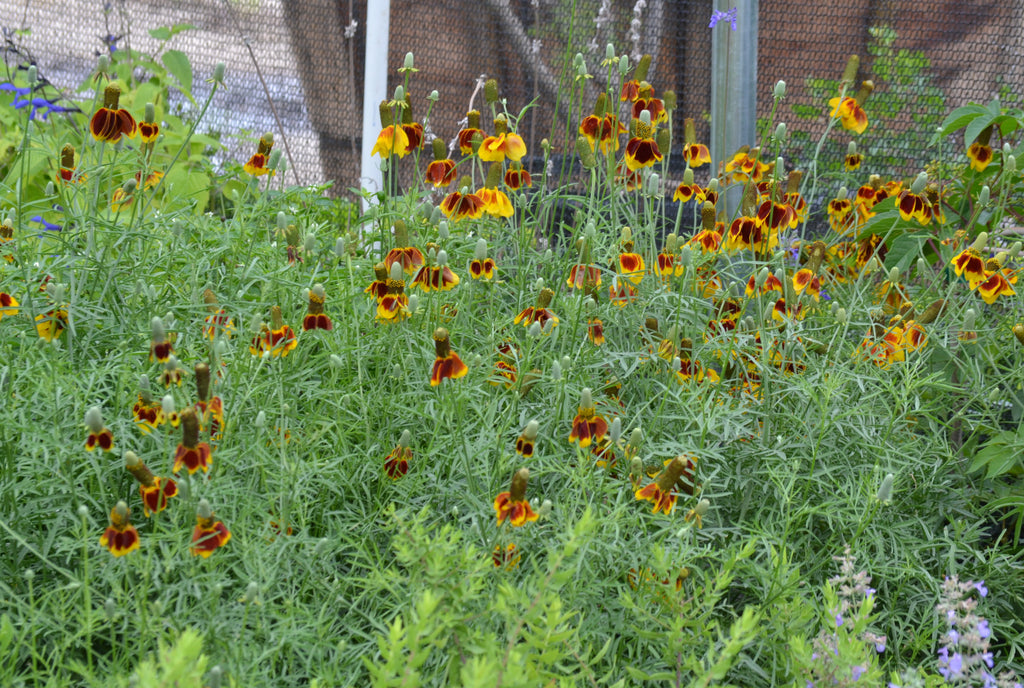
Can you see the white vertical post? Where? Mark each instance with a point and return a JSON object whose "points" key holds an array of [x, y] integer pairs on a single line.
{"points": [[733, 85], [375, 89]]}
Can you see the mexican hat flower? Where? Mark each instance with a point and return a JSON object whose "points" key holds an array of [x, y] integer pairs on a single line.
{"points": [[99, 436], [218, 322], [539, 313], [969, 264], [441, 170], [410, 257], [517, 176], [392, 139], [642, 150], [257, 165], [482, 266], [435, 275], [587, 426], [396, 464], [278, 340], [210, 410], [472, 129], [394, 305], [109, 122], [661, 492], [503, 144], [120, 537], [695, 154], [496, 202], [160, 348], [447, 364], [191, 453], [631, 265], [850, 111], [210, 533], [315, 318], [154, 490], [979, 153], [527, 440], [512, 506], [461, 204]]}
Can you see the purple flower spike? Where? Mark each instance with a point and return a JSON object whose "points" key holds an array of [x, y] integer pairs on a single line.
{"points": [[728, 16]]}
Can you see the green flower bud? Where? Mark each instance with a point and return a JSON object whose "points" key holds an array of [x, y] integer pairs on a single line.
{"points": [[779, 92]]}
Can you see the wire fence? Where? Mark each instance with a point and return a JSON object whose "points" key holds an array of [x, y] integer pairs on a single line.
{"points": [[924, 58]]}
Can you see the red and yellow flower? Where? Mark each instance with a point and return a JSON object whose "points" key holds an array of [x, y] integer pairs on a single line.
{"points": [[447, 364], [642, 150], [278, 340], [527, 441], [461, 204], [970, 265], [678, 471], [512, 506], [396, 464], [109, 122], [587, 426], [154, 490], [257, 165], [850, 111], [120, 537], [441, 171], [315, 318], [539, 313], [507, 557], [191, 453], [50, 324], [210, 534], [472, 129], [503, 145], [695, 154], [8, 305], [394, 305]]}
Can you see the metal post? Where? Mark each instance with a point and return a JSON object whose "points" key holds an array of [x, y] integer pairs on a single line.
{"points": [[733, 86], [375, 89]]}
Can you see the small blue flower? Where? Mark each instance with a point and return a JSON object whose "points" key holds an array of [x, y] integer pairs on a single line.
{"points": [[728, 16], [47, 226], [983, 630], [839, 619], [980, 587], [953, 636], [880, 646], [857, 672]]}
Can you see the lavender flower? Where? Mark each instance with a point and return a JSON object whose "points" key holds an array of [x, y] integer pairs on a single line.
{"points": [[965, 656], [728, 16]]}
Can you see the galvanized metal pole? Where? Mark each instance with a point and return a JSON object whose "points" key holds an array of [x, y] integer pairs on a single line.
{"points": [[375, 89], [733, 84]]}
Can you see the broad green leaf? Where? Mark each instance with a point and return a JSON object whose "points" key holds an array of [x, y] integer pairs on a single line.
{"points": [[977, 124], [904, 250], [958, 119], [177, 64]]}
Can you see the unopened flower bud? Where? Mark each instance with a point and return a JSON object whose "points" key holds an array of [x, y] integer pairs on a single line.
{"points": [[685, 256], [1018, 332], [779, 92], [609, 51], [32, 75], [399, 94], [761, 278], [534, 331], [94, 419], [103, 63], [780, 131], [979, 243], [1015, 249], [491, 91], [885, 491], [645, 117], [545, 509], [218, 73], [339, 247], [615, 431], [167, 405], [919, 183], [83, 513], [409, 61], [110, 608], [623, 65], [841, 316], [970, 318], [894, 275], [336, 361], [1010, 164], [274, 161], [309, 243], [414, 302], [480, 250], [983, 195], [635, 438], [261, 420]]}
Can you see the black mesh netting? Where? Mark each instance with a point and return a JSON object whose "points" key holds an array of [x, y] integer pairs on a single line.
{"points": [[925, 59]]}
